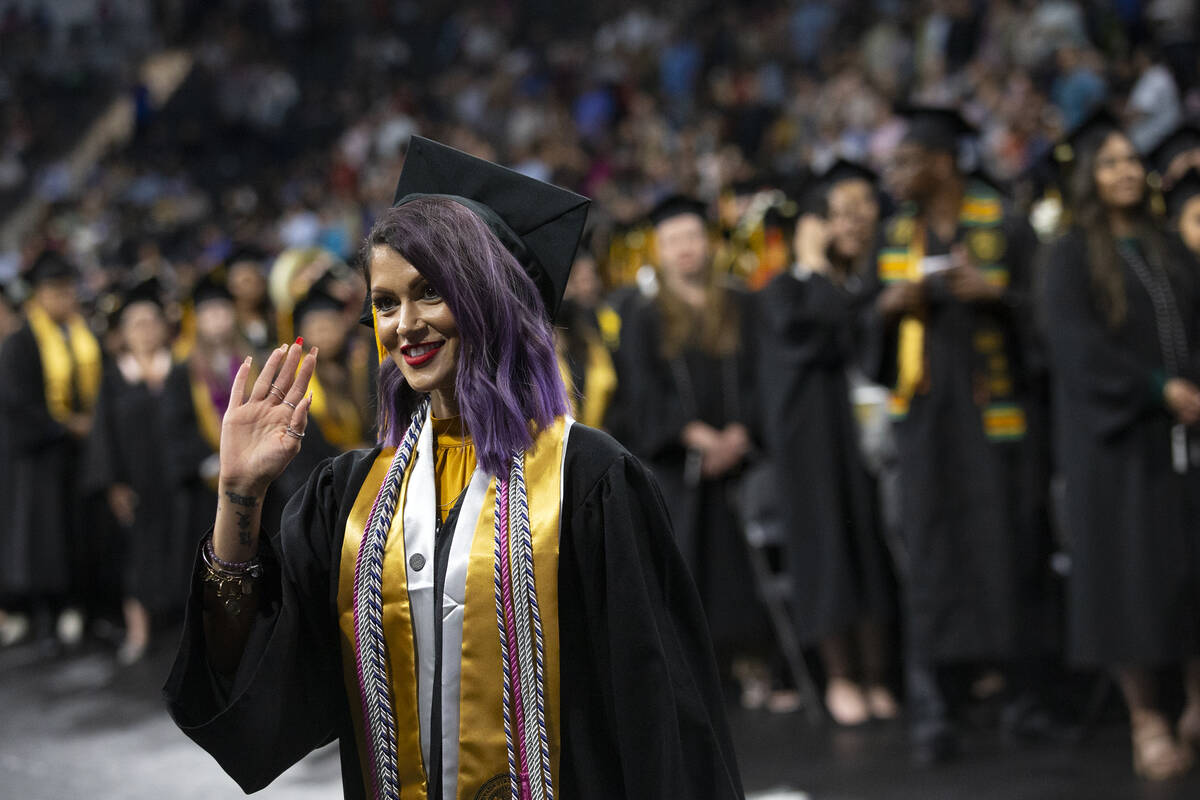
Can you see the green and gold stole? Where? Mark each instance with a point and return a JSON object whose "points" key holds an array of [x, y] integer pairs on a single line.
{"points": [[981, 220], [499, 625]]}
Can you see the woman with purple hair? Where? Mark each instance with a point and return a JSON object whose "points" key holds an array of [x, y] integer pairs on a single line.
{"points": [[489, 603]]}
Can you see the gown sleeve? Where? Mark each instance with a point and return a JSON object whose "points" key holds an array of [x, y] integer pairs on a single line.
{"points": [[286, 698], [1113, 386], [186, 446], [103, 466], [650, 418], [643, 714]]}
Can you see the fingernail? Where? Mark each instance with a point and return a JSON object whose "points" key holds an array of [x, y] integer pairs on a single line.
{"points": [[299, 340], [314, 351], [248, 359]]}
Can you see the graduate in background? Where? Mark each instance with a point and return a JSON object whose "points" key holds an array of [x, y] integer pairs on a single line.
{"points": [[50, 372], [580, 340], [1183, 209], [951, 293], [14, 617], [490, 605], [247, 281], [341, 383], [195, 399], [836, 559], [1122, 317], [685, 407], [127, 462]]}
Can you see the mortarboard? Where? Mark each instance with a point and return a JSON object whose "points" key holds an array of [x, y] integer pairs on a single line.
{"points": [[50, 265], [845, 170], [1179, 141], [1183, 190], [211, 286], [1085, 136], [317, 298], [540, 224], [145, 291], [676, 205], [936, 128]]}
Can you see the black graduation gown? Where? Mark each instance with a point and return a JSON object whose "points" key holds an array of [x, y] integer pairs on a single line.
{"points": [[655, 399], [642, 713], [125, 447], [187, 449], [1133, 523], [968, 503], [825, 497], [41, 542]]}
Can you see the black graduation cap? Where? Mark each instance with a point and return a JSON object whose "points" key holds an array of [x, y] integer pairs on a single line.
{"points": [[540, 224], [317, 298], [677, 205], [247, 252], [145, 291], [1184, 189], [938, 128], [1184, 138], [50, 266], [845, 170], [1087, 135], [211, 286]]}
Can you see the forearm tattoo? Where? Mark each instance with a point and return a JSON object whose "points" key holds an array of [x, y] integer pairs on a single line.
{"points": [[247, 500], [243, 517], [243, 526]]}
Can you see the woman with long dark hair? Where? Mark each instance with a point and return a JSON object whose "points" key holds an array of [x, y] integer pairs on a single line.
{"points": [[1122, 306], [488, 604]]}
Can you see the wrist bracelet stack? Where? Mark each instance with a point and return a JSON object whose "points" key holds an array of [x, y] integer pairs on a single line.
{"points": [[234, 579]]}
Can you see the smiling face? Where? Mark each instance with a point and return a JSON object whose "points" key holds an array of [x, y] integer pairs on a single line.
{"points": [[1119, 174], [416, 327]]}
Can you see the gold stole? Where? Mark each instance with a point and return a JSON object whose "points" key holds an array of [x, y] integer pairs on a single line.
{"points": [[910, 368], [68, 360], [482, 750], [589, 403], [337, 416], [207, 418]]}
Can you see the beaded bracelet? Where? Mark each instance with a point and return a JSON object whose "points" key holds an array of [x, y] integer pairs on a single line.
{"points": [[234, 580], [229, 566]]}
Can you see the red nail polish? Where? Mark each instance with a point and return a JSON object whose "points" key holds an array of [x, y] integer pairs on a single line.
{"points": [[299, 340]]}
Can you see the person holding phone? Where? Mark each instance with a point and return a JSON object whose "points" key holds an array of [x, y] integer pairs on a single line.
{"points": [[841, 578], [948, 335]]}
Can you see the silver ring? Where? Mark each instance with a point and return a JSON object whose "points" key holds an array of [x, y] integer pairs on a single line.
{"points": [[295, 434], [276, 390], [290, 404]]}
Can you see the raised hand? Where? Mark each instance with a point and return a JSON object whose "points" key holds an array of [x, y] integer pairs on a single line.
{"points": [[262, 433]]}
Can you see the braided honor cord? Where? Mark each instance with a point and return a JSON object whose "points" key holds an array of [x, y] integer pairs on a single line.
{"points": [[371, 652], [522, 646], [518, 620]]}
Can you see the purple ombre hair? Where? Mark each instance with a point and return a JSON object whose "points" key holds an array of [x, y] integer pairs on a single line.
{"points": [[508, 385]]}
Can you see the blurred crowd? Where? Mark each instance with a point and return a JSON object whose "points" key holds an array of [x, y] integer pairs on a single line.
{"points": [[758, 171]]}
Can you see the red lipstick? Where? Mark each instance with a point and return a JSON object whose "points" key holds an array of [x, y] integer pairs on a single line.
{"points": [[417, 354]]}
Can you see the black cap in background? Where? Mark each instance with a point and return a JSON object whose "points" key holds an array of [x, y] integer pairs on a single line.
{"points": [[211, 286], [676, 205], [1183, 190], [1179, 141], [317, 298], [50, 266], [936, 128]]}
